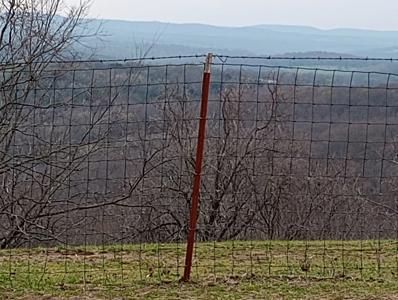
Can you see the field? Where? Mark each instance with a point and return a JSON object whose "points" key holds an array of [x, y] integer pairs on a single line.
{"points": [[228, 270]]}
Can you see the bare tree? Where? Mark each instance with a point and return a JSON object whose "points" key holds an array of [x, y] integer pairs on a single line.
{"points": [[52, 123], [33, 33], [232, 192]]}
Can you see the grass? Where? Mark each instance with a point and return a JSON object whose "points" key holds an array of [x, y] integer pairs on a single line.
{"points": [[227, 270]]}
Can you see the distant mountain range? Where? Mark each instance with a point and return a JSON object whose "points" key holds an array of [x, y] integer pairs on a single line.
{"points": [[128, 39]]}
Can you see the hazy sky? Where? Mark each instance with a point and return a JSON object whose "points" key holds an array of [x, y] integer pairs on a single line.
{"points": [[370, 14]]}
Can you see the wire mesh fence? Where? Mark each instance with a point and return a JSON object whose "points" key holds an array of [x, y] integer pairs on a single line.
{"points": [[97, 161]]}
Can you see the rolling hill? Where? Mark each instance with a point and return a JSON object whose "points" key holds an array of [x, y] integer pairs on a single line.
{"points": [[127, 39]]}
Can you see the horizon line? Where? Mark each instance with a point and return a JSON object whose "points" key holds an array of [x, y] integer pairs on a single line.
{"points": [[242, 26]]}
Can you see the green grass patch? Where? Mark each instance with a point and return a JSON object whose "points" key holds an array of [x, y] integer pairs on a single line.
{"points": [[222, 270]]}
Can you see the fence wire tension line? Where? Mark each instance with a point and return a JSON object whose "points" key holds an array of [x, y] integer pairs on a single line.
{"points": [[204, 166]]}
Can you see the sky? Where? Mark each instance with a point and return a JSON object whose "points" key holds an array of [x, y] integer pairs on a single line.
{"points": [[326, 14]]}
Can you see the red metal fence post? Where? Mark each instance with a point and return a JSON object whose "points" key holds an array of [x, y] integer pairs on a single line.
{"points": [[198, 168]]}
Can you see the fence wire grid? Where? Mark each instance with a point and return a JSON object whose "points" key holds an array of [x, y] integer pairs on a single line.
{"points": [[97, 165]]}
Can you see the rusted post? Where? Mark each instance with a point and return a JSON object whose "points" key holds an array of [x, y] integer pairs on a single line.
{"points": [[198, 168]]}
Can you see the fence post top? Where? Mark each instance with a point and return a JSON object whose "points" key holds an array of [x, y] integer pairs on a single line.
{"points": [[209, 61]]}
